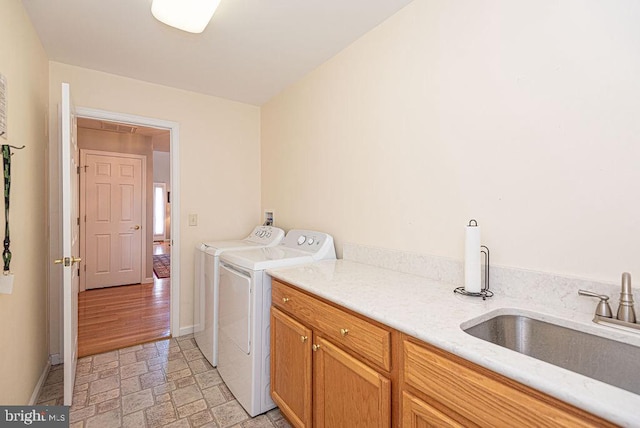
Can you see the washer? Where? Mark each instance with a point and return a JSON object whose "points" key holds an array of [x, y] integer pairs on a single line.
{"points": [[245, 300], [205, 303]]}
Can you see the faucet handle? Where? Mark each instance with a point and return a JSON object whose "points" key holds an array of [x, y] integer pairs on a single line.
{"points": [[603, 309]]}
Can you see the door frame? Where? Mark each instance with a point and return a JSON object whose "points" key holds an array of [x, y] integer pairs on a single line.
{"points": [[174, 152], [83, 211]]}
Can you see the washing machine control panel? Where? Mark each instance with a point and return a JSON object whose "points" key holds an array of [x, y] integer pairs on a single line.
{"points": [[266, 235], [307, 240]]}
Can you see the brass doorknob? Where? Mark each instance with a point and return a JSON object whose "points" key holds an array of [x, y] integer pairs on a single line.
{"points": [[67, 261], [344, 331], [285, 299], [136, 227], [315, 347], [303, 339]]}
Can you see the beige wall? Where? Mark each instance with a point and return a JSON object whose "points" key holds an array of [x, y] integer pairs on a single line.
{"points": [[219, 157], [522, 115], [93, 139], [23, 314]]}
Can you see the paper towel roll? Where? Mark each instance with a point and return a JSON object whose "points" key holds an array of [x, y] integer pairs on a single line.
{"points": [[472, 272]]}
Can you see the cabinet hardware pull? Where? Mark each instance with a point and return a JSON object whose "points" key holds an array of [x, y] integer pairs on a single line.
{"points": [[344, 331], [303, 339], [315, 347], [285, 299]]}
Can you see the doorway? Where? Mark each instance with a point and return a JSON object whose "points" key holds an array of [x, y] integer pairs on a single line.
{"points": [[157, 298]]}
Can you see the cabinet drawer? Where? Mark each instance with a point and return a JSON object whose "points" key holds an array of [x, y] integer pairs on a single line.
{"points": [[484, 397], [371, 342]]}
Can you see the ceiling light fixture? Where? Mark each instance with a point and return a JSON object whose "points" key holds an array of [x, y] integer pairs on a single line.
{"points": [[186, 15]]}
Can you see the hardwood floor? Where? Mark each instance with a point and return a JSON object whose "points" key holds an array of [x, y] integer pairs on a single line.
{"points": [[118, 317]]}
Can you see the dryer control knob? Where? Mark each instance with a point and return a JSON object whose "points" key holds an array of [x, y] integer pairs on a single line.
{"points": [[301, 239], [310, 241]]}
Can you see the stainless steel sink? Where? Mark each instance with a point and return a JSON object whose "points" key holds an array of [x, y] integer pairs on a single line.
{"points": [[606, 360]]}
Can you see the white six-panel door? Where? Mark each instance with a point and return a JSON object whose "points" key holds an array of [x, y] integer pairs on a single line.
{"points": [[113, 210]]}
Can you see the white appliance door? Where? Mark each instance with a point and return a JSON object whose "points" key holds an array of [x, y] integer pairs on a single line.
{"points": [[235, 306]]}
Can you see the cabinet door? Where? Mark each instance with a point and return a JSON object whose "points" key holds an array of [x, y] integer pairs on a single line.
{"points": [[347, 392], [291, 368], [418, 414]]}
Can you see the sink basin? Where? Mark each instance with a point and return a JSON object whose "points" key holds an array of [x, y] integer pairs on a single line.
{"points": [[606, 360]]}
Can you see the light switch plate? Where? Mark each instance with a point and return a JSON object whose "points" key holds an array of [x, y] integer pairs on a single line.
{"points": [[193, 219]]}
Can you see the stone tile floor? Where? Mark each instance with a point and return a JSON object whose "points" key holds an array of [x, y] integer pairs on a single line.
{"points": [[162, 384]]}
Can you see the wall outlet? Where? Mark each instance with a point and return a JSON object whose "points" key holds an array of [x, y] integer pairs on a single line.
{"points": [[193, 219]]}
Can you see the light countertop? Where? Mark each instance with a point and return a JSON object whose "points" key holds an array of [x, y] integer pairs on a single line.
{"points": [[430, 311]]}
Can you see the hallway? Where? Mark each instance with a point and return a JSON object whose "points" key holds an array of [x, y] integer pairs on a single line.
{"points": [[118, 317]]}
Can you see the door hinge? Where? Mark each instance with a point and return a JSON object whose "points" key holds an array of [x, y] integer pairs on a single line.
{"points": [[78, 169], [84, 267], [78, 272], [78, 221]]}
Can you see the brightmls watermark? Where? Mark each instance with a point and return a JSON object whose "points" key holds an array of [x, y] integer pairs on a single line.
{"points": [[34, 416]]}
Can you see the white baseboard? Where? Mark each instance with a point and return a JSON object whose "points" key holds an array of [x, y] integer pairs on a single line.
{"points": [[147, 280], [56, 359], [41, 381], [184, 331]]}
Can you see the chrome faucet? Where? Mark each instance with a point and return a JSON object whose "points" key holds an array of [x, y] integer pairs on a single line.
{"points": [[626, 312], [626, 315]]}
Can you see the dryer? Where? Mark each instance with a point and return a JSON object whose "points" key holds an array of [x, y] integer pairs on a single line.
{"points": [[205, 303], [245, 301]]}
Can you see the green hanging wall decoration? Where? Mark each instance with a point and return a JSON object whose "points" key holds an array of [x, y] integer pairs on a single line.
{"points": [[6, 165], [6, 280]]}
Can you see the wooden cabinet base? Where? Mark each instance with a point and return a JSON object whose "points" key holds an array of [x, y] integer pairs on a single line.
{"points": [[481, 396], [331, 367]]}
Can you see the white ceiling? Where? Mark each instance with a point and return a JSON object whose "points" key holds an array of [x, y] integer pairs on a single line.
{"points": [[251, 50]]}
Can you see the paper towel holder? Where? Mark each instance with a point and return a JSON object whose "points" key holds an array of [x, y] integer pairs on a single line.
{"points": [[484, 292]]}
